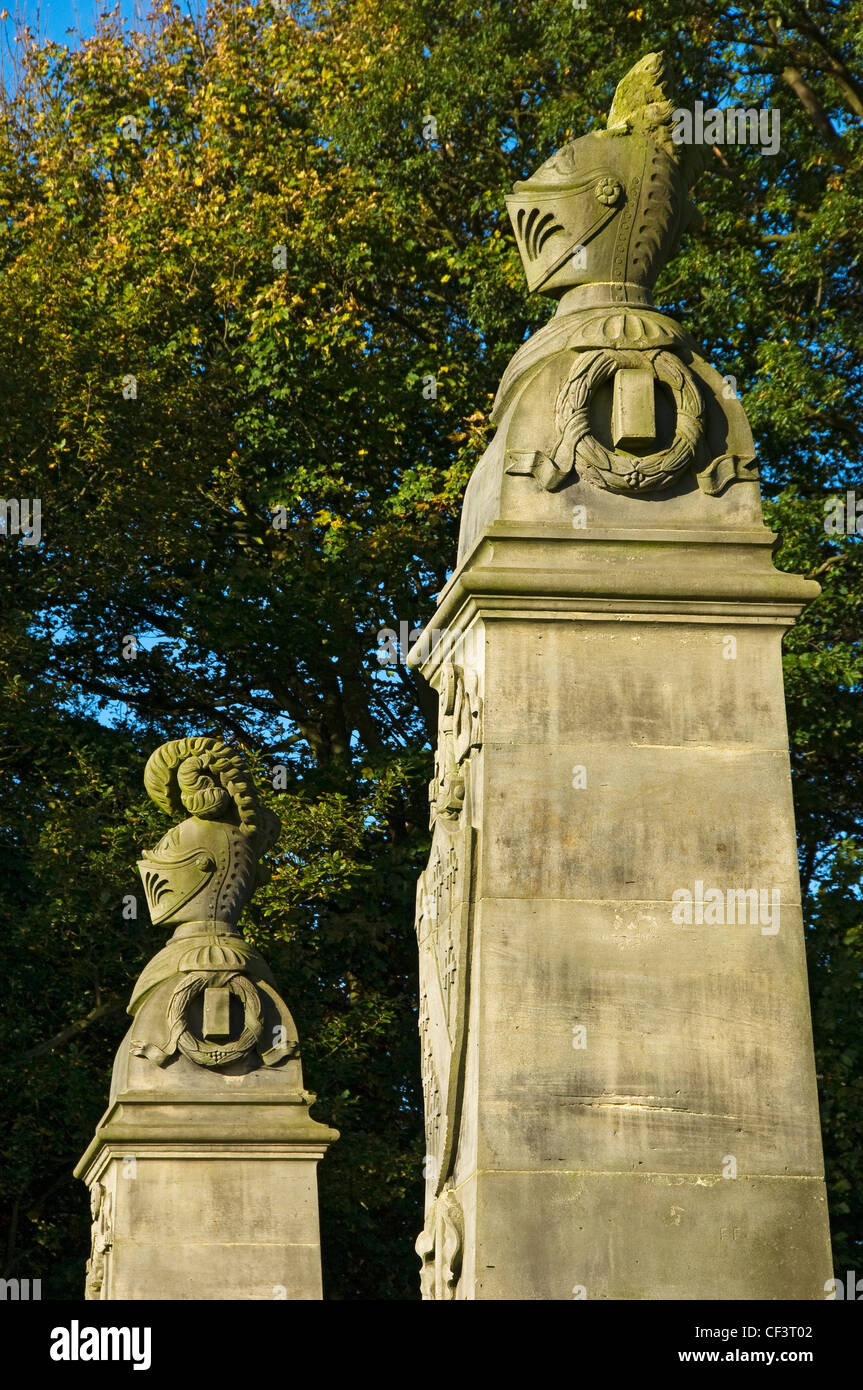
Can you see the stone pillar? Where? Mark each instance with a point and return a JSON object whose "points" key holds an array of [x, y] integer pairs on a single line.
{"points": [[617, 1056], [203, 1170]]}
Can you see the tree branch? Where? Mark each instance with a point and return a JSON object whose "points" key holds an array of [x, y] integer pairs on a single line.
{"points": [[72, 1030]]}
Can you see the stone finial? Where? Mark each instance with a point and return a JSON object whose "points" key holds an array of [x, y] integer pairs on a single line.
{"points": [[622, 192], [206, 868], [208, 994], [207, 1112], [611, 390]]}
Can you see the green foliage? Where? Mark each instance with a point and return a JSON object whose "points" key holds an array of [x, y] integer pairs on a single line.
{"points": [[279, 258]]}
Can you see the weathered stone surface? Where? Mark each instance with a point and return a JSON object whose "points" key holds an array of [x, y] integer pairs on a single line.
{"points": [[620, 1099], [229, 1220], [685, 1060], [203, 1170], [637, 1237], [697, 1044]]}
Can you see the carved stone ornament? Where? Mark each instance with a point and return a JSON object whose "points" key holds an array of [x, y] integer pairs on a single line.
{"points": [[612, 468], [459, 732], [443, 919], [207, 994], [440, 1245], [638, 408], [101, 1240]]}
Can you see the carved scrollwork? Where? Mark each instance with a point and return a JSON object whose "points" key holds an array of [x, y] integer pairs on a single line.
{"points": [[443, 920], [440, 1246], [101, 1241], [459, 733]]}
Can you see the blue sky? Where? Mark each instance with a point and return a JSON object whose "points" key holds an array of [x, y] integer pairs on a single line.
{"points": [[52, 18]]}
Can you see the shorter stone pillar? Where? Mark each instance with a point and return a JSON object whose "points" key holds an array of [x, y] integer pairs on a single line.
{"points": [[203, 1170]]}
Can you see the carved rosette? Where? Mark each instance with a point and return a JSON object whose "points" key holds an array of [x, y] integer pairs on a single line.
{"points": [[443, 920]]}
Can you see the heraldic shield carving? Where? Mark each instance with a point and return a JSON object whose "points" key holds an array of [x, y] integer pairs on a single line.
{"points": [[443, 923]]}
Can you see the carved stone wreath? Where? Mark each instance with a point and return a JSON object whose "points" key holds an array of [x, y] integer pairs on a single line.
{"points": [[217, 1054], [207, 1054], [609, 468]]}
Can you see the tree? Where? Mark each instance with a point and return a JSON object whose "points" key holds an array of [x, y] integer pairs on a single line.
{"points": [[258, 292]]}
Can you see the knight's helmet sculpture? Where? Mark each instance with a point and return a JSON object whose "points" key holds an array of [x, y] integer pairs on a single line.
{"points": [[596, 752], [202, 1172], [595, 225], [197, 880]]}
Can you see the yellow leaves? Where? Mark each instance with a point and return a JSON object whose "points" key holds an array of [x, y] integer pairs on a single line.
{"points": [[636, 15], [326, 518]]}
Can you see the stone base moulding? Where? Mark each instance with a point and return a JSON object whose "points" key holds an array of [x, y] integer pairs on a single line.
{"points": [[203, 1170], [213, 1201], [619, 1105]]}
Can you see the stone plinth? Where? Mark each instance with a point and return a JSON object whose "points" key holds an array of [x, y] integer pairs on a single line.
{"points": [[203, 1170], [620, 1104], [617, 1056], [204, 1185]]}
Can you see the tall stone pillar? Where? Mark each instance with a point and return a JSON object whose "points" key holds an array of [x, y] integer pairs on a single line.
{"points": [[203, 1170], [617, 1055]]}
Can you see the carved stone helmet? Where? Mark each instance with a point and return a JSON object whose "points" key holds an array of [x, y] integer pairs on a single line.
{"points": [[610, 207], [205, 869]]}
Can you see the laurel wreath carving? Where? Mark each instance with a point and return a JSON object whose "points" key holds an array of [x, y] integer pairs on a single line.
{"points": [[620, 472], [215, 1054]]}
